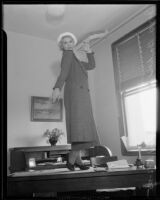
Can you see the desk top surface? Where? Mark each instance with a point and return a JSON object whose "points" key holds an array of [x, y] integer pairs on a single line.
{"points": [[65, 173]]}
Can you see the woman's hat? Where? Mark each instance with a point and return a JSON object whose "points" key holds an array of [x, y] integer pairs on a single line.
{"points": [[67, 34]]}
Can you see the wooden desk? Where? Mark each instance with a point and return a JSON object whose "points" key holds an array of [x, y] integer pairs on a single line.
{"points": [[19, 156], [24, 185]]}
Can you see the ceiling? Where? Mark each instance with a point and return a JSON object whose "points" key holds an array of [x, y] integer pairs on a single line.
{"points": [[83, 19]]}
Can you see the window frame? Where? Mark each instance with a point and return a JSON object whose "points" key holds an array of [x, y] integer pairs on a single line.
{"points": [[120, 101]]}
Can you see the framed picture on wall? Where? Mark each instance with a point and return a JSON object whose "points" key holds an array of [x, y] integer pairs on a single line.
{"points": [[43, 110]]}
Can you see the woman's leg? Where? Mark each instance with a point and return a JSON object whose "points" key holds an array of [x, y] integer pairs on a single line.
{"points": [[71, 160], [79, 163], [72, 156], [79, 158]]}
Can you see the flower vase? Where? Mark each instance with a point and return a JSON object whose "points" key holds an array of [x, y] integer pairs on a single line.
{"points": [[52, 141]]}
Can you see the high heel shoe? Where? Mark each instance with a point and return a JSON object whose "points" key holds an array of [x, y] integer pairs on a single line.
{"points": [[82, 166], [70, 166]]}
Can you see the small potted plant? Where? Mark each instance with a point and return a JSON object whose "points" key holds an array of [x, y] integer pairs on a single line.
{"points": [[53, 136]]}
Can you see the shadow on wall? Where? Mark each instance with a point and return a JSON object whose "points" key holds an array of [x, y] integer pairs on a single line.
{"points": [[55, 68]]}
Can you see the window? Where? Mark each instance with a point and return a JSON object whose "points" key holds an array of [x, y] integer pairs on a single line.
{"points": [[134, 67], [140, 112]]}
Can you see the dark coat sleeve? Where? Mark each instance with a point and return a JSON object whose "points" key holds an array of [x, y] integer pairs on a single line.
{"points": [[91, 62], [65, 68]]}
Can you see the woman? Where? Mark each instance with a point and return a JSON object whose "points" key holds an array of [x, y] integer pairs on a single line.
{"points": [[80, 125]]}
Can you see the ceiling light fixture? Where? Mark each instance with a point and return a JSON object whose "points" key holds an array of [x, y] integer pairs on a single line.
{"points": [[56, 10]]}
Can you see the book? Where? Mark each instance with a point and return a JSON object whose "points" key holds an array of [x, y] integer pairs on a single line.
{"points": [[118, 164]]}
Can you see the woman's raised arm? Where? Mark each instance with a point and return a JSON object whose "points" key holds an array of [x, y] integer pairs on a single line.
{"points": [[90, 38]]}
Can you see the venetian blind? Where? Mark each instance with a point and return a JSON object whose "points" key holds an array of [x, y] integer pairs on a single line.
{"points": [[135, 56]]}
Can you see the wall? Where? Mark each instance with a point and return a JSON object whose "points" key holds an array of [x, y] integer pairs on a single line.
{"points": [[105, 94], [33, 65]]}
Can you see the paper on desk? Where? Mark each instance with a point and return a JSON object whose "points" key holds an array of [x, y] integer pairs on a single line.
{"points": [[99, 169], [118, 164]]}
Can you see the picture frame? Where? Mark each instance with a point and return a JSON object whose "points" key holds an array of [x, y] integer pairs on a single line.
{"points": [[43, 110]]}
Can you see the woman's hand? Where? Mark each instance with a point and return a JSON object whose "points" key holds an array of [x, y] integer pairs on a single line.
{"points": [[55, 95]]}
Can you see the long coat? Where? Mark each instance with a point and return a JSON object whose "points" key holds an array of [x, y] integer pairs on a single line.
{"points": [[79, 117]]}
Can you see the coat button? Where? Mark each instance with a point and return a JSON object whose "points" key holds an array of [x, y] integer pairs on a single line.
{"points": [[88, 90], [81, 86]]}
